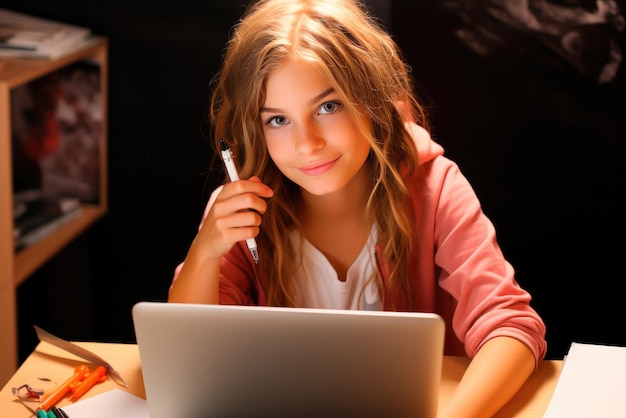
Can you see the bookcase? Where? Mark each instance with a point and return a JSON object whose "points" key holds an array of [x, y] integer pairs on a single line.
{"points": [[17, 266]]}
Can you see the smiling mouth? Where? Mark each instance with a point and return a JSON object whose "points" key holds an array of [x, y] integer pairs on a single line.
{"points": [[318, 169]]}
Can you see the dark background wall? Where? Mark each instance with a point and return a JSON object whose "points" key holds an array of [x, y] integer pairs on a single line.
{"points": [[542, 144]]}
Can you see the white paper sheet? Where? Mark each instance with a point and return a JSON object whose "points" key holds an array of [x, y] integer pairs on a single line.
{"points": [[592, 383], [114, 403]]}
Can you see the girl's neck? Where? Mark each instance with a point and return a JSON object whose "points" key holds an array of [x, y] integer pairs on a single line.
{"points": [[337, 224]]}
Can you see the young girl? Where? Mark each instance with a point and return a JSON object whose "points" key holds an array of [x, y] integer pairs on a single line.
{"points": [[351, 203]]}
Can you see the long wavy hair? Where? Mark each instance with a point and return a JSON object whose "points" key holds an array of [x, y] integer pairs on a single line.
{"points": [[364, 65]]}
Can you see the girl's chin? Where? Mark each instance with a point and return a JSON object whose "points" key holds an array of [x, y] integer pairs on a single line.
{"points": [[320, 189]]}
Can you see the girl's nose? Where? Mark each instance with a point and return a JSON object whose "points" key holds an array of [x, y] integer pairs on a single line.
{"points": [[308, 139]]}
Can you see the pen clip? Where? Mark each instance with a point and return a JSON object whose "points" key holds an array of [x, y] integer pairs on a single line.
{"points": [[80, 352]]}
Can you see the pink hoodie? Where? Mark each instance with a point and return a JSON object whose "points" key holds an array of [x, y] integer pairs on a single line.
{"points": [[458, 269]]}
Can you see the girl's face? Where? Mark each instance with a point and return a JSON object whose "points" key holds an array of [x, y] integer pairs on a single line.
{"points": [[309, 133]]}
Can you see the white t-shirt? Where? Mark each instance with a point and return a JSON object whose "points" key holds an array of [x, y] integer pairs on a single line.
{"points": [[320, 286]]}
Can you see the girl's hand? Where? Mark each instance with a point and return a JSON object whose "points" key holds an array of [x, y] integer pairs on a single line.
{"points": [[234, 216]]}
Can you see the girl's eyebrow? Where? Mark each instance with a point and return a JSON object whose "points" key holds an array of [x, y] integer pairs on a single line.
{"points": [[311, 102]]}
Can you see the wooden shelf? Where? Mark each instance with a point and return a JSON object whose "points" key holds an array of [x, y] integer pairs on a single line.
{"points": [[15, 268], [28, 260]]}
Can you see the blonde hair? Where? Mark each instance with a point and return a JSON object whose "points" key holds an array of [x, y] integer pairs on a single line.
{"points": [[365, 67]]}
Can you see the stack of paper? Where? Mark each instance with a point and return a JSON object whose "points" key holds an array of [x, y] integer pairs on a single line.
{"points": [[592, 383], [25, 36]]}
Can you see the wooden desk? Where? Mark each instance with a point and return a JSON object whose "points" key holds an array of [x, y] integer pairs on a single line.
{"points": [[49, 361]]}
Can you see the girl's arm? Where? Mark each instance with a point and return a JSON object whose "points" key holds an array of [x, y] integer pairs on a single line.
{"points": [[494, 376], [197, 279], [232, 214]]}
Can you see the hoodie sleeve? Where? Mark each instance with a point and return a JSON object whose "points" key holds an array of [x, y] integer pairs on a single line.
{"points": [[468, 263], [473, 270]]}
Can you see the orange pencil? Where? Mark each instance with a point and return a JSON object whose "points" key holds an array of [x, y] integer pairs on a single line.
{"points": [[79, 373], [97, 376]]}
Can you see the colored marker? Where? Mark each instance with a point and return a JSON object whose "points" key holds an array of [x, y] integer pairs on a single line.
{"points": [[79, 374], [97, 376]]}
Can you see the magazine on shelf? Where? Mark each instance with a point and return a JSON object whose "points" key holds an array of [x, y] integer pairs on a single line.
{"points": [[26, 36], [36, 214]]}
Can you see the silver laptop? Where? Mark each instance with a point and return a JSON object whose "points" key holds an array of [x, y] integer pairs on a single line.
{"points": [[203, 361]]}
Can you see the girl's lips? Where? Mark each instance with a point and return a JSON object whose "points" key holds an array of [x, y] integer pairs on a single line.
{"points": [[317, 169]]}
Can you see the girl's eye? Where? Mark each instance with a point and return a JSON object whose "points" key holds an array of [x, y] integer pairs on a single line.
{"points": [[329, 107], [277, 121]]}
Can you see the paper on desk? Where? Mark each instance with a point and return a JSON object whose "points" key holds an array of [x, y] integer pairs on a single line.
{"points": [[592, 383], [114, 403]]}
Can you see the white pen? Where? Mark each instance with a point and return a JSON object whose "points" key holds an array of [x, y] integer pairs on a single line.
{"points": [[229, 162]]}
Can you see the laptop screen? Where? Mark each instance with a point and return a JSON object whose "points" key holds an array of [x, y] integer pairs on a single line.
{"points": [[217, 360]]}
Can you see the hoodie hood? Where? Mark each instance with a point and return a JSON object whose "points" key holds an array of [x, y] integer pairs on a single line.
{"points": [[427, 149]]}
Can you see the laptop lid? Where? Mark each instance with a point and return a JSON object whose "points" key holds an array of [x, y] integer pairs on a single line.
{"points": [[238, 361]]}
